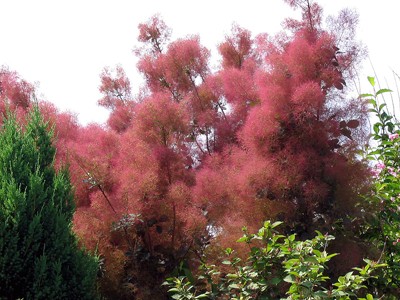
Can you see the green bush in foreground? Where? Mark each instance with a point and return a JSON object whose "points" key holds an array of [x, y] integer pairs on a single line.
{"points": [[382, 223], [278, 267], [39, 255]]}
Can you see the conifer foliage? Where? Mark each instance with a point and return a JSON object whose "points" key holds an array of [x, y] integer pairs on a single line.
{"points": [[39, 255]]}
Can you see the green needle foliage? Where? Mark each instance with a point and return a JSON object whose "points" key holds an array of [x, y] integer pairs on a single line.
{"points": [[39, 254]]}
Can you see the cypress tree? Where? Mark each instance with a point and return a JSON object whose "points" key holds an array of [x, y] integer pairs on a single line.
{"points": [[39, 254]]}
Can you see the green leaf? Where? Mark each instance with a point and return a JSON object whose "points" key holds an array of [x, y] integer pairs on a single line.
{"points": [[366, 95], [375, 152], [348, 275], [275, 280], [381, 91], [307, 284], [376, 128], [242, 239], [229, 251], [234, 286], [321, 294], [317, 252], [390, 125], [369, 297], [290, 279], [331, 255], [276, 224], [202, 296], [371, 80], [292, 237], [311, 259]]}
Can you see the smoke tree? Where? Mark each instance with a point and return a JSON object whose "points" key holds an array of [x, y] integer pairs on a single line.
{"points": [[293, 153]]}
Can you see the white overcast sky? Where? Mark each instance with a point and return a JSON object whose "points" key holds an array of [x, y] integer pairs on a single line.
{"points": [[64, 45]]}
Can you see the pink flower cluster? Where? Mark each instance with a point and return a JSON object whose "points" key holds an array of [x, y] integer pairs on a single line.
{"points": [[392, 171], [393, 136], [378, 168], [376, 171]]}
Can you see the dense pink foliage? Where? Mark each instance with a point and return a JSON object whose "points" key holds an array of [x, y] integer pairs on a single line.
{"points": [[16, 94], [117, 97], [236, 48], [268, 135]]}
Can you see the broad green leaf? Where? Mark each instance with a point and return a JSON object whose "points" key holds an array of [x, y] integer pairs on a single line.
{"points": [[321, 294], [369, 297], [202, 296], [376, 128], [371, 80], [275, 280], [275, 224], [228, 251], [381, 91], [292, 237], [317, 252], [366, 95], [332, 255], [375, 152], [307, 284], [242, 239], [311, 259], [290, 279], [234, 286]]}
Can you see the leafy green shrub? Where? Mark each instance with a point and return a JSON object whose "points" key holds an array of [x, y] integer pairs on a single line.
{"points": [[39, 255], [278, 266], [382, 224]]}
